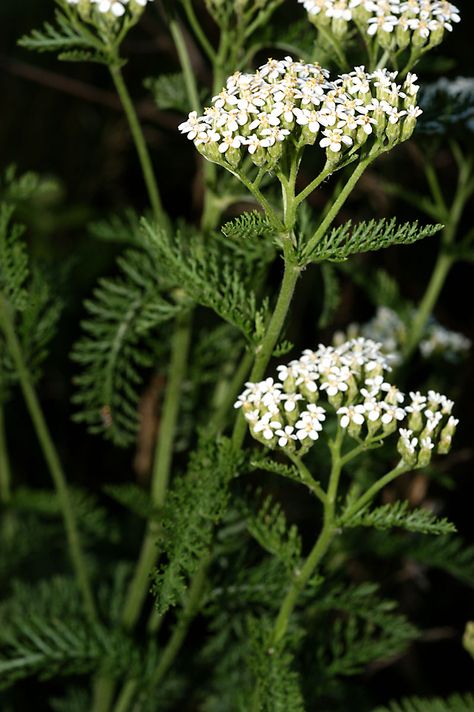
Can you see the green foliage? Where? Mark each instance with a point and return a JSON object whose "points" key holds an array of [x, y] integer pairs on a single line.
{"points": [[169, 92], [455, 703], [92, 519], [249, 226], [118, 345], [331, 295], [449, 553], [369, 630], [258, 462], [14, 270], [194, 506], [134, 498], [68, 37], [208, 275], [121, 228], [26, 295], [44, 633], [269, 527], [348, 239], [277, 682], [400, 515]]}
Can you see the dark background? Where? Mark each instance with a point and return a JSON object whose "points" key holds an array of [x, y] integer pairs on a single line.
{"points": [[64, 121]]}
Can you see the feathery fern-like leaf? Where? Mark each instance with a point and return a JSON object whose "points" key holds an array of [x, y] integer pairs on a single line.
{"points": [[249, 226], [348, 239], [44, 633], [195, 504], [208, 275], [118, 345], [169, 92], [455, 703], [269, 527], [399, 514], [69, 39], [277, 682]]}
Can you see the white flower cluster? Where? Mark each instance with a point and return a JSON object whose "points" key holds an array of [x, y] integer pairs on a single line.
{"points": [[350, 380], [443, 342], [288, 103], [111, 9], [395, 24], [387, 328]]}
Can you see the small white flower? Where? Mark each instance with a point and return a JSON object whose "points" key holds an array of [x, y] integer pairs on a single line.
{"points": [[285, 435], [334, 139], [351, 414], [267, 427]]}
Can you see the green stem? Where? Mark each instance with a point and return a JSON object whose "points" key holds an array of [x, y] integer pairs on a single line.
{"points": [[186, 66], [175, 642], [198, 31], [329, 37], [5, 473], [161, 472], [307, 478], [232, 391], [320, 547], [368, 496], [445, 259], [336, 206], [428, 302], [51, 457], [140, 144], [104, 687], [266, 348]]}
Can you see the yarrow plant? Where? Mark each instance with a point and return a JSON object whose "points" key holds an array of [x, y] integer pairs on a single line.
{"points": [[348, 382], [391, 25], [89, 9], [287, 105], [173, 356], [388, 328]]}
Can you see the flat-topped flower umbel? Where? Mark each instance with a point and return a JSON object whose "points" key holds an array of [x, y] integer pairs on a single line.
{"points": [[287, 105], [109, 8], [395, 24], [348, 381]]}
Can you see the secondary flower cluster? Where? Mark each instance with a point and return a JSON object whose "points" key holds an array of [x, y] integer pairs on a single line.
{"points": [[289, 103], [395, 24], [110, 9], [387, 328], [350, 380]]}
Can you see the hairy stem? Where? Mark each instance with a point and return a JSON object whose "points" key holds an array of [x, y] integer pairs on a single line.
{"points": [[51, 456], [140, 144]]}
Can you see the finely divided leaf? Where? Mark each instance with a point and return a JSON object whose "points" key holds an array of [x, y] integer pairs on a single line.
{"points": [[400, 515], [270, 528], [118, 344], [455, 703], [196, 503], [248, 226], [349, 239]]}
